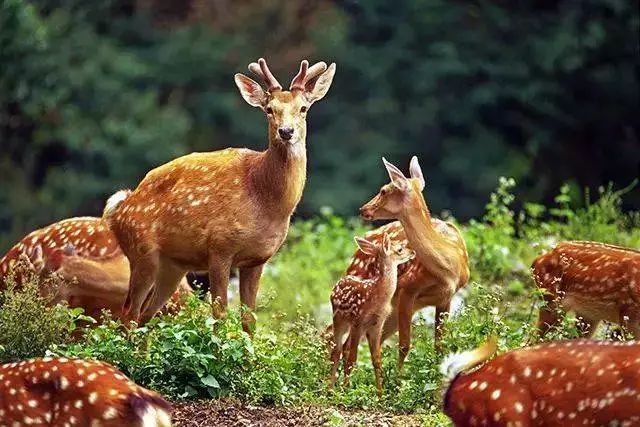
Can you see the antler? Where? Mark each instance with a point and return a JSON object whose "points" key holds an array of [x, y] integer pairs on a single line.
{"points": [[307, 74], [262, 70]]}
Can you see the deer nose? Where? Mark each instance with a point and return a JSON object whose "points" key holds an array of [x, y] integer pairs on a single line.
{"points": [[364, 213], [285, 133]]}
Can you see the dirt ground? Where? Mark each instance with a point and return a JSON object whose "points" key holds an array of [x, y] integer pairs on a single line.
{"points": [[230, 412]]}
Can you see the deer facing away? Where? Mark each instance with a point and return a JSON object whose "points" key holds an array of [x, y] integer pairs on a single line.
{"points": [[441, 266], [223, 209], [595, 280], [85, 254], [67, 392], [557, 384], [360, 307]]}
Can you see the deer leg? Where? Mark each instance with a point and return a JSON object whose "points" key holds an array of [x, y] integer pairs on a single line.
{"points": [[249, 283], [405, 313], [374, 336], [352, 352], [339, 329], [143, 274], [219, 271], [167, 281], [442, 311], [547, 316], [390, 324]]}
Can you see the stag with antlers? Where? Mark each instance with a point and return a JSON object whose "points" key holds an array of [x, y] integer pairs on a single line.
{"points": [[219, 210]]}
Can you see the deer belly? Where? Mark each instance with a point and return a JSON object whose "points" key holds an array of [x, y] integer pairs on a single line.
{"points": [[260, 250], [591, 308]]}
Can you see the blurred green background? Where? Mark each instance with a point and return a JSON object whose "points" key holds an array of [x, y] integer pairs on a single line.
{"points": [[93, 94]]}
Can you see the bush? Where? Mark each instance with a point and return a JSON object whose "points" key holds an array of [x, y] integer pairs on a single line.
{"points": [[29, 323]]}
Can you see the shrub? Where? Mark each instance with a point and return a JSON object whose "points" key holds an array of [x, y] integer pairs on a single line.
{"points": [[29, 323]]}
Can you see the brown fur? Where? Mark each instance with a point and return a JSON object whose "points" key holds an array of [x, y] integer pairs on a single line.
{"points": [[443, 266], [95, 272], [219, 210], [360, 306], [594, 280], [61, 392], [566, 383]]}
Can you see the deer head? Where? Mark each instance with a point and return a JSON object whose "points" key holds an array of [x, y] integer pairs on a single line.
{"points": [[400, 194], [286, 110], [396, 254]]}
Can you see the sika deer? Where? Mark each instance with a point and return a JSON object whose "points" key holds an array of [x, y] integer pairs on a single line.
{"points": [[63, 392], [567, 383], [214, 211], [361, 307], [85, 254], [441, 266], [595, 280]]}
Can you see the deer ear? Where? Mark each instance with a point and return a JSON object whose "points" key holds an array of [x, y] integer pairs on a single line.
{"points": [[366, 246], [395, 174], [251, 91], [317, 88], [416, 171]]}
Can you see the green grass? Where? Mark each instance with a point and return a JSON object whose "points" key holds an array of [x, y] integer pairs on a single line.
{"points": [[192, 355]]}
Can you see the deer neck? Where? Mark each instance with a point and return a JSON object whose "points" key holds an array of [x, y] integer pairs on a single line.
{"points": [[435, 252], [387, 273], [279, 177]]}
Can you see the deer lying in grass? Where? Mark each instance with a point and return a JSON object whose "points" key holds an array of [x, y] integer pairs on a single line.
{"points": [[565, 383], [595, 280], [360, 307], [64, 392], [214, 211], [441, 266], [85, 254]]}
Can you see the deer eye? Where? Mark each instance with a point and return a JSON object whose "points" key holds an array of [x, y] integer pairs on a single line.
{"points": [[269, 110], [303, 109]]}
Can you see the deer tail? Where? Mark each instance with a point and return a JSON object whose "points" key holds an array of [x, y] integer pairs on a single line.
{"points": [[150, 408], [456, 363], [113, 202]]}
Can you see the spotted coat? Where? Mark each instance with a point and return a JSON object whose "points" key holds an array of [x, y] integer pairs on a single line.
{"points": [[68, 392], [570, 383], [598, 281], [85, 253]]}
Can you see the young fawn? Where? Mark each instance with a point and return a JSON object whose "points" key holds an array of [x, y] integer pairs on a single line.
{"points": [[85, 254], [595, 280], [219, 210], [74, 392], [440, 249], [564, 383], [362, 306]]}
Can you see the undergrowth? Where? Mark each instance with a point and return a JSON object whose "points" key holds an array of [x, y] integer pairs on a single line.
{"points": [[191, 355]]}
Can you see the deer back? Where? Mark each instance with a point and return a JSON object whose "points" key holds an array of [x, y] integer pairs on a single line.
{"points": [[579, 382], [596, 271], [75, 392]]}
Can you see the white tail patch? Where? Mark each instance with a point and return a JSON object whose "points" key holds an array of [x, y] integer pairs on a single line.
{"points": [[155, 417], [114, 201], [455, 363]]}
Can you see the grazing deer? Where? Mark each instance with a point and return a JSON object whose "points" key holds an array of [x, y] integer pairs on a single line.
{"points": [[361, 306], [85, 254], [219, 210], [595, 280], [441, 265], [68, 392], [564, 383]]}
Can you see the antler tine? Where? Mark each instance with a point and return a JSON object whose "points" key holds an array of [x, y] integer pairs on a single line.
{"points": [[307, 74], [262, 70]]}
